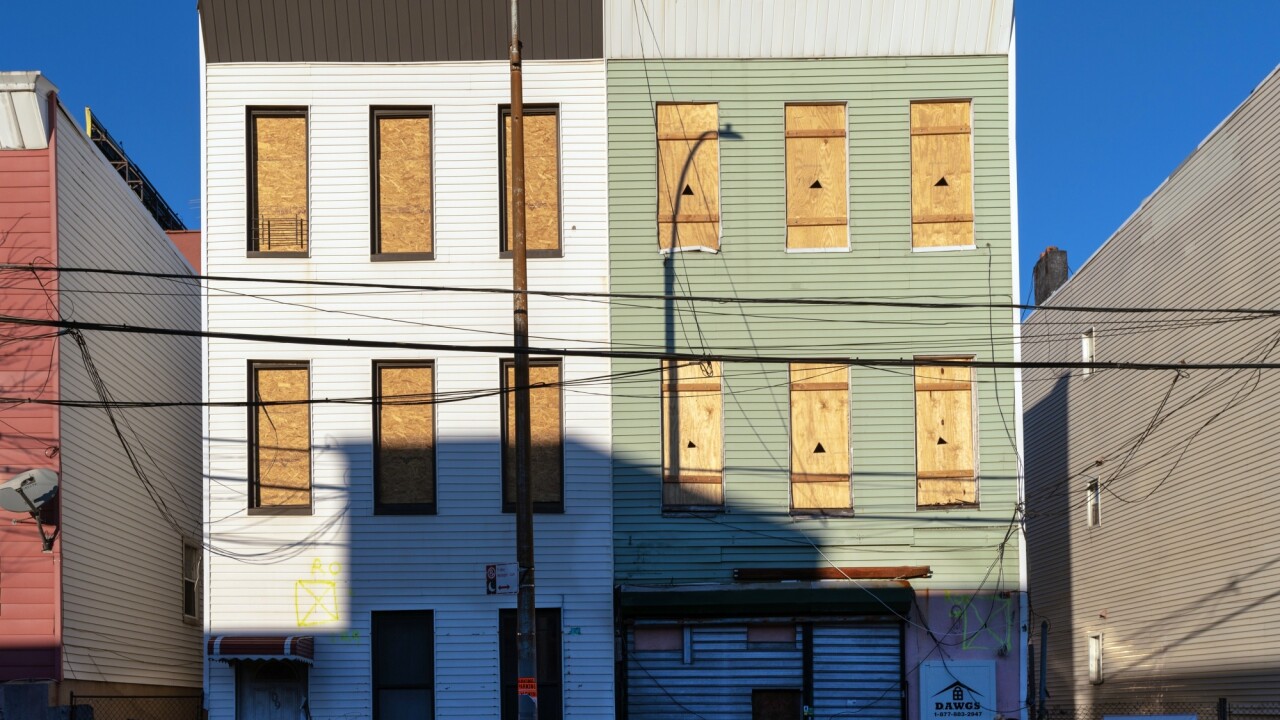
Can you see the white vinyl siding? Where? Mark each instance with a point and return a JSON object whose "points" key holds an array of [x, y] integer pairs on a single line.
{"points": [[121, 560], [386, 562], [670, 29]]}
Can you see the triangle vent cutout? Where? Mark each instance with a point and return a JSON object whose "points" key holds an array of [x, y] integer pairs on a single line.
{"points": [[941, 441], [942, 182], [691, 446], [817, 185], [687, 190], [819, 449]]}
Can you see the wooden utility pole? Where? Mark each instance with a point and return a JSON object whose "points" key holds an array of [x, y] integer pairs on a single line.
{"points": [[526, 617]]}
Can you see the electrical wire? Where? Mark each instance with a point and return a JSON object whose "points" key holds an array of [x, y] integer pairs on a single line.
{"points": [[820, 301]]}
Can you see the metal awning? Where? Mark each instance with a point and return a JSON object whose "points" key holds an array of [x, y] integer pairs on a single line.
{"points": [[789, 599], [229, 648]]}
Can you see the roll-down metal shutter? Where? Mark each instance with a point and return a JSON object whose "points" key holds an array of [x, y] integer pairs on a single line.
{"points": [[856, 672], [717, 681]]}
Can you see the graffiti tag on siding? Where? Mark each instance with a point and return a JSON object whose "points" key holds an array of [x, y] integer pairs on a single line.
{"points": [[315, 599]]}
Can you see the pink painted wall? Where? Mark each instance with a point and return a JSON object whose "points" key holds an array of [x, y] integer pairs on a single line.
{"points": [[968, 626], [188, 243], [30, 606]]}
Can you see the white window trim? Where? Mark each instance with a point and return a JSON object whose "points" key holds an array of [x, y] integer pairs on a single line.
{"points": [[1088, 350], [1095, 658], [1093, 504]]}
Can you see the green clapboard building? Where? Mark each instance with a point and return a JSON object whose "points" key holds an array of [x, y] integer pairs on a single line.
{"points": [[816, 509]]}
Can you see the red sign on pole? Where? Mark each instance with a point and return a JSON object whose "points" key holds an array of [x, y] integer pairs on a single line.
{"points": [[529, 686]]}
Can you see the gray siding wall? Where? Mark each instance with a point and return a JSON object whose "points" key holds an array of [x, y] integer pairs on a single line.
{"points": [[400, 31], [636, 29], [122, 561], [1181, 578], [757, 529]]}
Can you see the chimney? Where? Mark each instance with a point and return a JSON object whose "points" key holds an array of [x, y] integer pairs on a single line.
{"points": [[1050, 273]]}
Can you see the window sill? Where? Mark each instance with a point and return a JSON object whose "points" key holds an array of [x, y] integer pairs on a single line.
{"points": [[946, 248], [954, 506], [693, 510], [534, 254], [286, 510], [692, 248], [544, 509], [813, 514], [402, 257], [259, 254]]}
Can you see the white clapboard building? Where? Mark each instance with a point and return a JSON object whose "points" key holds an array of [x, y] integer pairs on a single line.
{"points": [[348, 541]]}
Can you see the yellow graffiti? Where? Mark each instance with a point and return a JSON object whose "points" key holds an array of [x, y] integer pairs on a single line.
{"points": [[315, 599], [987, 621]]}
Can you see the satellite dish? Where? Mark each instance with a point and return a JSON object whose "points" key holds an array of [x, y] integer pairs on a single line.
{"points": [[27, 492]]}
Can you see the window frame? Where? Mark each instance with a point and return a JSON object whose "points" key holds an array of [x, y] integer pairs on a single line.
{"points": [[974, 430], [669, 378], [377, 617], [195, 581], [1093, 504], [507, 616], [973, 174], [380, 508], [663, 249], [530, 109], [1088, 350], [376, 113], [791, 440], [254, 502], [848, 205], [252, 112], [547, 508], [1094, 658]]}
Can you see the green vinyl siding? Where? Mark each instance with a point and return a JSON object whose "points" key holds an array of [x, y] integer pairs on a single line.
{"points": [[757, 528]]}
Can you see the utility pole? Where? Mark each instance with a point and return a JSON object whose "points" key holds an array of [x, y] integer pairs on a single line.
{"points": [[526, 617]]}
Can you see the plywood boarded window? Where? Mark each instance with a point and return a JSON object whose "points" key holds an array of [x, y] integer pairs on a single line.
{"points": [[278, 180], [541, 179], [944, 434], [281, 420], [941, 174], [402, 182], [688, 176], [405, 442], [546, 453], [820, 437], [692, 436], [817, 173]]}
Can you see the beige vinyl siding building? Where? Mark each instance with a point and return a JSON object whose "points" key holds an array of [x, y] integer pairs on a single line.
{"points": [[1152, 529]]}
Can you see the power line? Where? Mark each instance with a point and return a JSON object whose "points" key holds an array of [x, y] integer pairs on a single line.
{"points": [[631, 354], [719, 299]]}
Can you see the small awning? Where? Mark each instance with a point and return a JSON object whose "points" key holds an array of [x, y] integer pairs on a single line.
{"points": [[229, 648], [777, 599]]}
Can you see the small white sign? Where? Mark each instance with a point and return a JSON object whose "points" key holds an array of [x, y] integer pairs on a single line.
{"points": [[502, 579], [958, 690]]}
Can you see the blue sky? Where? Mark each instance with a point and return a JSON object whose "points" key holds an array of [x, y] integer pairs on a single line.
{"points": [[1112, 95]]}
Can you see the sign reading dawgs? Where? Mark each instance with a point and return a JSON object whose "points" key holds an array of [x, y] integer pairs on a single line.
{"points": [[958, 689]]}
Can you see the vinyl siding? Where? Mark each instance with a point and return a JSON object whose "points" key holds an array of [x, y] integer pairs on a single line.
{"points": [[29, 621], [122, 561], [409, 562], [396, 31], [1181, 575], [670, 29], [757, 529]]}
